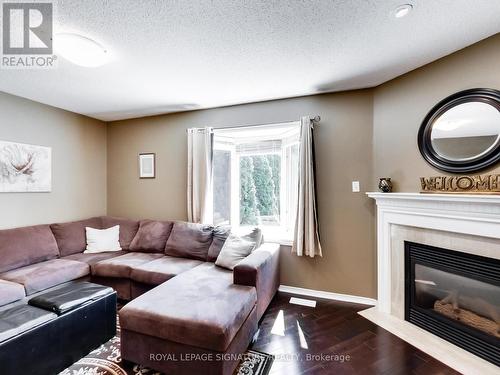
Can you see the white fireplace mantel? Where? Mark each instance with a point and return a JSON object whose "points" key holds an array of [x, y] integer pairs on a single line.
{"points": [[455, 216]]}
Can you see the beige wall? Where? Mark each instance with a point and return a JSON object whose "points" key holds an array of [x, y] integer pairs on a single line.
{"points": [[78, 163], [401, 104], [343, 150], [363, 135]]}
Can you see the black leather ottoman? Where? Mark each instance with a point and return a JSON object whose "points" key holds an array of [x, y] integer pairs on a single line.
{"points": [[57, 328], [21, 318]]}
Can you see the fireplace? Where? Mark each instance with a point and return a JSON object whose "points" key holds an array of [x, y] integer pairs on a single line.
{"points": [[455, 296]]}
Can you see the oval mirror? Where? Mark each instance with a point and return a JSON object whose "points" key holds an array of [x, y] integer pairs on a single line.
{"points": [[462, 132]]}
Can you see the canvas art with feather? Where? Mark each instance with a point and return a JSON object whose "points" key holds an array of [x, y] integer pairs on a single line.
{"points": [[25, 168]]}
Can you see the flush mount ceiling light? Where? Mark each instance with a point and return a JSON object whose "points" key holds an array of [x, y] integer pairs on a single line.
{"points": [[402, 10], [80, 50]]}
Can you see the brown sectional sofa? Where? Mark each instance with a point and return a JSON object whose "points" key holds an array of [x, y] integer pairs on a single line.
{"points": [[183, 304], [30, 257], [201, 311]]}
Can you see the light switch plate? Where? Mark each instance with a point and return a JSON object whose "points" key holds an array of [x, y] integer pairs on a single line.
{"points": [[355, 187]]}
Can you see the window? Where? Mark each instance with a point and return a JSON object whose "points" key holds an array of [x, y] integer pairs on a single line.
{"points": [[256, 178]]}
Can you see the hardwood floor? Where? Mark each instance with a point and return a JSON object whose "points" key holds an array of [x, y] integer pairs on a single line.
{"points": [[333, 339]]}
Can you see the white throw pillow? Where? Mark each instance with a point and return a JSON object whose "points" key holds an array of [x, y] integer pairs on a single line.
{"points": [[236, 248], [103, 240]]}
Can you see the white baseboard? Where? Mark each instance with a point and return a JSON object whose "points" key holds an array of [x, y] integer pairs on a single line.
{"points": [[327, 295]]}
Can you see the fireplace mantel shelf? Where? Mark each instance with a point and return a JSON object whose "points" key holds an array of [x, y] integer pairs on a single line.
{"points": [[461, 198], [473, 207]]}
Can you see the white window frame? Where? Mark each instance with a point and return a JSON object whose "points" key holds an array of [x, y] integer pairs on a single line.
{"points": [[283, 233], [234, 215]]}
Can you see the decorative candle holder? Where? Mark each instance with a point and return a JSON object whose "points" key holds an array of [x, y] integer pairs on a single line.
{"points": [[385, 185]]}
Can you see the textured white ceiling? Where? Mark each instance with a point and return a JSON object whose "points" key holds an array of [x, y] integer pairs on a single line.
{"points": [[170, 56]]}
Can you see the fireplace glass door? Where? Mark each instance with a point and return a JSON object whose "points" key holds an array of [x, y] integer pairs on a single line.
{"points": [[455, 296]]}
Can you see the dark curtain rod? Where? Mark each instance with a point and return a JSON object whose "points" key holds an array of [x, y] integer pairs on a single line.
{"points": [[315, 119]]}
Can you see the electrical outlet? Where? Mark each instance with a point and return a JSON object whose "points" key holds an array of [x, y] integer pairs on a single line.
{"points": [[355, 187]]}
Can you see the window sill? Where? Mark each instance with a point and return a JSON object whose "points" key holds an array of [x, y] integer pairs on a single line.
{"points": [[271, 234], [281, 241]]}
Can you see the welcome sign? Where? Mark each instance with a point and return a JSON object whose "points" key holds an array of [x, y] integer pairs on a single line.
{"points": [[486, 184]]}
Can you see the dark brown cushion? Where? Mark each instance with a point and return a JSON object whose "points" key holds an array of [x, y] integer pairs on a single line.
{"points": [[151, 236], [121, 266], [162, 269], [10, 292], [128, 229], [21, 247], [200, 307], [220, 236], [189, 240], [93, 258], [71, 237], [46, 274]]}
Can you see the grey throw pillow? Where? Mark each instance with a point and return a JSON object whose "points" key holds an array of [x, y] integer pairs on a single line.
{"points": [[236, 248]]}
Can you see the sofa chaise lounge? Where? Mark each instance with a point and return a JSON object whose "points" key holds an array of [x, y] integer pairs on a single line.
{"points": [[183, 304]]}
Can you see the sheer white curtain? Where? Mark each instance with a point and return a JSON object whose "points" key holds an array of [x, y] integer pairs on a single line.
{"points": [[199, 186], [306, 236]]}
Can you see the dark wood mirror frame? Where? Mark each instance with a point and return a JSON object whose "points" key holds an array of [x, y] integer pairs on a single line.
{"points": [[488, 96]]}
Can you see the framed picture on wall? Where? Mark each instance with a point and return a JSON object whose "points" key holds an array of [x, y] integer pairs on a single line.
{"points": [[25, 168], [147, 165]]}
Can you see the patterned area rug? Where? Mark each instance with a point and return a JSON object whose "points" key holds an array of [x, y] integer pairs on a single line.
{"points": [[106, 360]]}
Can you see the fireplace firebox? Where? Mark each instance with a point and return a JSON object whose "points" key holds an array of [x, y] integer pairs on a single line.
{"points": [[455, 296]]}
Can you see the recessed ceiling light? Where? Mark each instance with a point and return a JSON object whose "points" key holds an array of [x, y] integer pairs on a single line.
{"points": [[80, 50], [402, 10]]}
